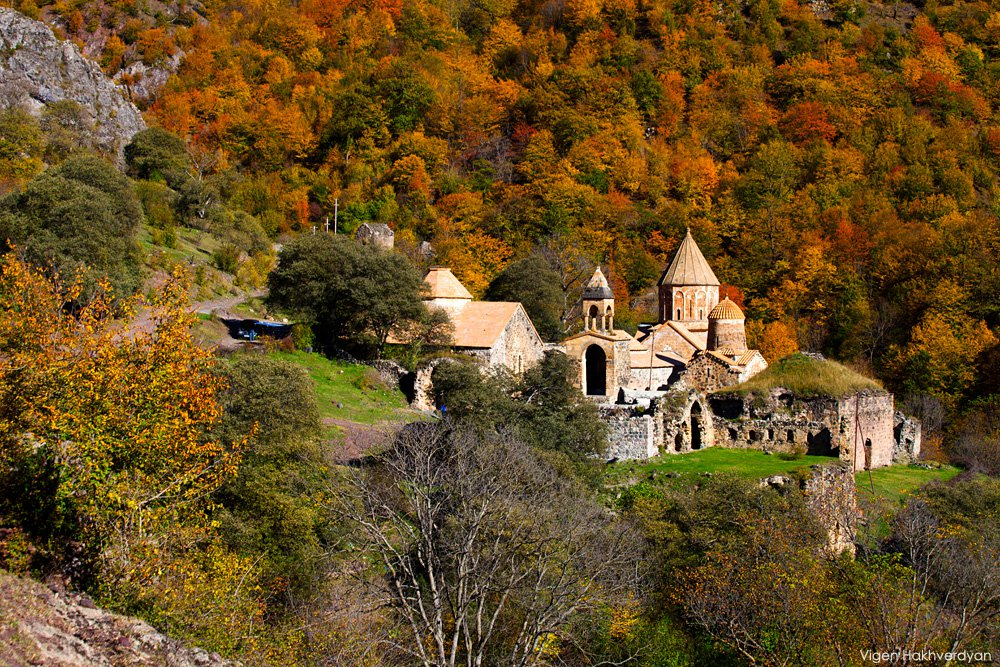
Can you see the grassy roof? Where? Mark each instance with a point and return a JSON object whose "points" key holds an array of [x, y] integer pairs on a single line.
{"points": [[807, 376]]}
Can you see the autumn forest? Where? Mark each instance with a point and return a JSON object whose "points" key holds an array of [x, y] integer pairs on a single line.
{"points": [[837, 162]]}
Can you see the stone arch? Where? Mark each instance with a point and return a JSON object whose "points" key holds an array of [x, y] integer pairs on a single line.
{"points": [[679, 441], [609, 318], [679, 305], [592, 316], [595, 371]]}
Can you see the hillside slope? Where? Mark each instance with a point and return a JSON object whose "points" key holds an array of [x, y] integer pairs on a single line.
{"points": [[42, 625]]}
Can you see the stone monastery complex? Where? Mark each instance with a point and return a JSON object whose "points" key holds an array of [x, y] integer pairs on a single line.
{"points": [[673, 386]]}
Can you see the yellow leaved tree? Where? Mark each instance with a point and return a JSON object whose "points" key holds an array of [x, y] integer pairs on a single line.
{"points": [[106, 431]]}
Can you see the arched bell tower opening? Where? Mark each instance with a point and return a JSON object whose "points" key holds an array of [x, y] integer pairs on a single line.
{"points": [[595, 364], [598, 303]]}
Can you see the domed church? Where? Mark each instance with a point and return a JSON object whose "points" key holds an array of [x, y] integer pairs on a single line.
{"points": [[699, 342]]}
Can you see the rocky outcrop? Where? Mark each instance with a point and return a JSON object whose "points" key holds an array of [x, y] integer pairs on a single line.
{"points": [[36, 69], [45, 625]]}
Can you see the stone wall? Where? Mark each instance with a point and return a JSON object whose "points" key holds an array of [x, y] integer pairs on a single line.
{"points": [[632, 432], [825, 426], [423, 387], [518, 347], [709, 373], [391, 372], [686, 422], [832, 496], [907, 437]]}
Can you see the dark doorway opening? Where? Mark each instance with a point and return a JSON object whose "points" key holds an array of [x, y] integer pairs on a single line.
{"points": [[678, 442], [696, 417], [595, 362], [821, 444]]}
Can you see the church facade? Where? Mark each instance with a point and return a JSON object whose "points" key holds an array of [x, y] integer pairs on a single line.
{"points": [[698, 343]]}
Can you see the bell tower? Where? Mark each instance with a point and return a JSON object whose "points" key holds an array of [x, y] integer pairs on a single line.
{"points": [[598, 304]]}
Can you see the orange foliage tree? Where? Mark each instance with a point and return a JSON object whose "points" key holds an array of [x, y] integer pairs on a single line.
{"points": [[120, 416]]}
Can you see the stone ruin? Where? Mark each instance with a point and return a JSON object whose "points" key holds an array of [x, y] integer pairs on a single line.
{"points": [[862, 429], [831, 496]]}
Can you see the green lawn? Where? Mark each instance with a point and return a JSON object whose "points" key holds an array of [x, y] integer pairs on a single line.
{"points": [[894, 482], [357, 388], [743, 462], [891, 483]]}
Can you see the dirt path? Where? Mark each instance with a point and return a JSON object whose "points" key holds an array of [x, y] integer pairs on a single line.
{"points": [[359, 439], [222, 305]]}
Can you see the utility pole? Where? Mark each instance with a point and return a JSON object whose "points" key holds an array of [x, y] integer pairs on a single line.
{"points": [[326, 224], [336, 209]]}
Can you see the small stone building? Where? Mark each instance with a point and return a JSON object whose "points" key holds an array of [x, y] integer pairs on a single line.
{"points": [[499, 333], [375, 233]]}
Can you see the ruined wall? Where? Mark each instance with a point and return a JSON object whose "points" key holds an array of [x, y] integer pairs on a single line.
{"points": [[832, 496], [390, 371], [867, 418], [686, 422], [423, 388], [823, 426], [708, 373], [907, 434], [633, 433]]}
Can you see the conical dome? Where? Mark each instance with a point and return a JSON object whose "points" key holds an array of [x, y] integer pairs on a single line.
{"points": [[726, 310], [597, 287], [689, 266]]}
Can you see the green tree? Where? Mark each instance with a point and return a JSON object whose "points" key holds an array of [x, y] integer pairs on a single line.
{"points": [[21, 146], [543, 407], [79, 216], [353, 294], [532, 282], [157, 154], [273, 506]]}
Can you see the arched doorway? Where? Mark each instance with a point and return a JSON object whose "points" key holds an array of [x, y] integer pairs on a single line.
{"points": [[595, 368], [696, 426], [678, 442]]}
